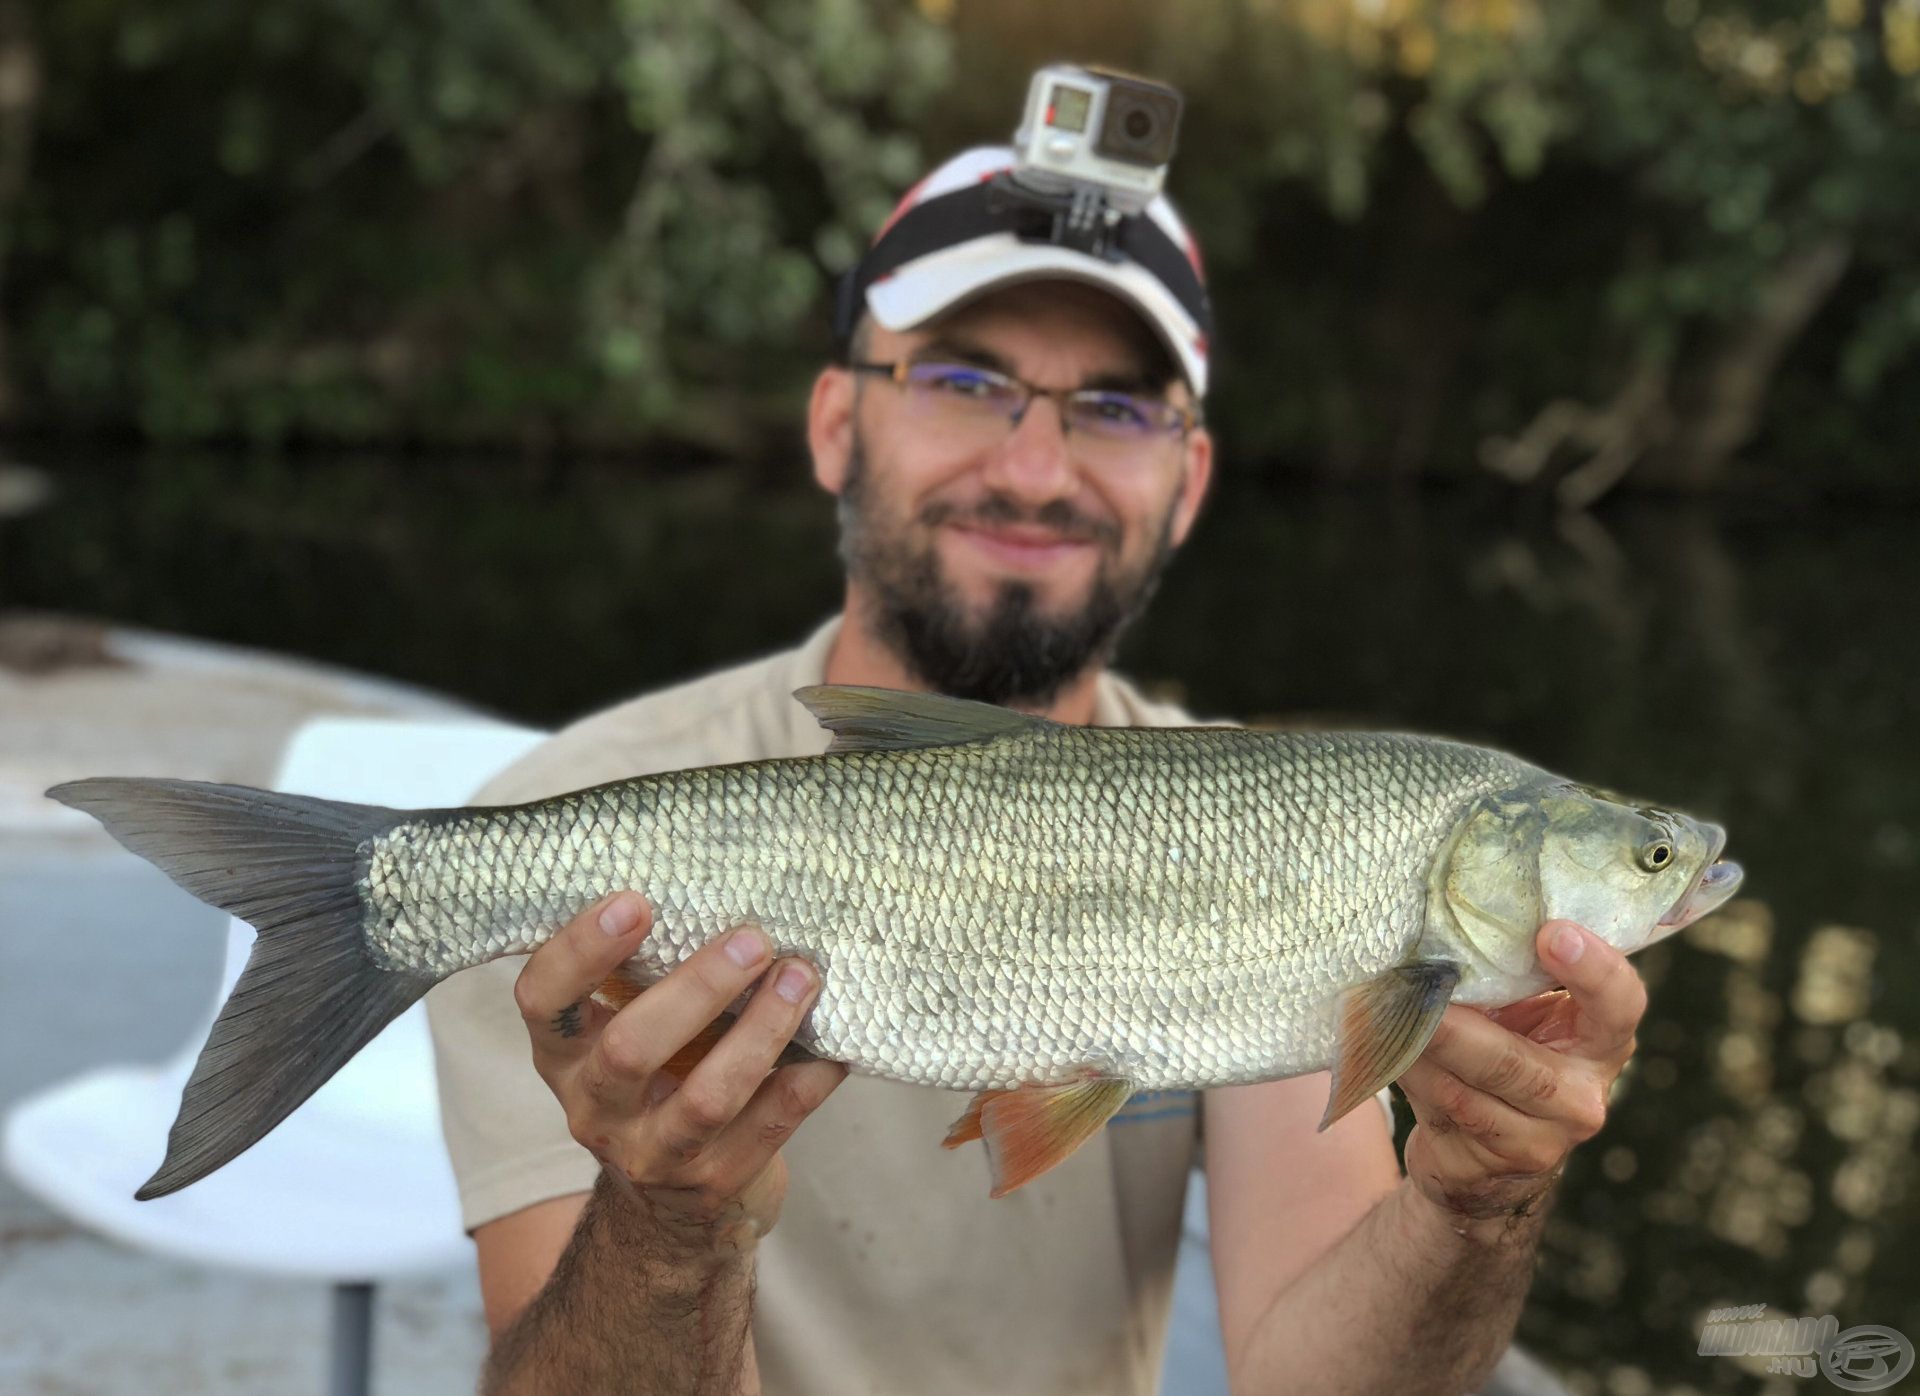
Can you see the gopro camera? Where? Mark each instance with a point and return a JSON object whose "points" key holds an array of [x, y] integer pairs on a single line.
{"points": [[1096, 136]]}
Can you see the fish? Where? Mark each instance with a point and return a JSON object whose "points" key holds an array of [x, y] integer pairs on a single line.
{"points": [[1053, 917]]}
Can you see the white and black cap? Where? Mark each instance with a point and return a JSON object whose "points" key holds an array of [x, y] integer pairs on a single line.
{"points": [[966, 229]]}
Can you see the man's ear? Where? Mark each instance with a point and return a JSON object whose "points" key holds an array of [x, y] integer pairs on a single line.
{"points": [[1194, 485], [830, 426]]}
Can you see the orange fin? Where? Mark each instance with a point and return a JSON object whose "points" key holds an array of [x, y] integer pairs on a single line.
{"points": [[1383, 1025], [1029, 1130], [682, 1063], [966, 1129], [618, 989]]}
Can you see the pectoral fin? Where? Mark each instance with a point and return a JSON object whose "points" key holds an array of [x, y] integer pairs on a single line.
{"points": [[1029, 1130], [1383, 1025]]}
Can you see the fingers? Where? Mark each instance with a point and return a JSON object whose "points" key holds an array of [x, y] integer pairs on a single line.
{"points": [[1454, 1109], [645, 1035], [1473, 1154], [1526, 1016], [1606, 988], [726, 1079], [1535, 1082], [779, 1105], [553, 990]]}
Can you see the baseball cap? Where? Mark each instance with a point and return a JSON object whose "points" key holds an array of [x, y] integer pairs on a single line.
{"points": [[962, 231]]}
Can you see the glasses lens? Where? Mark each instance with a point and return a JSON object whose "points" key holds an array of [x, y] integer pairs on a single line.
{"points": [[1121, 417], [962, 388]]}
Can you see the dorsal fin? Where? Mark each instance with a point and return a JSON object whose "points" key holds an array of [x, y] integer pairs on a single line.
{"points": [[889, 719]]}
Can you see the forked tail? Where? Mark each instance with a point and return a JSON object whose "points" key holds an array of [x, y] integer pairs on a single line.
{"points": [[311, 995]]}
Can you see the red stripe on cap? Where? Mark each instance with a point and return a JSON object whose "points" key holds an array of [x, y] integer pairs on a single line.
{"points": [[907, 201], [912, 197]]}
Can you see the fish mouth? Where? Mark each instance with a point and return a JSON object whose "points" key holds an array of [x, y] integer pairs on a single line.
{"points": [[1708, 892]]}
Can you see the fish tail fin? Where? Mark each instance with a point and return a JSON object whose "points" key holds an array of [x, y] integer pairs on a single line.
{"points": [[311, 994]]}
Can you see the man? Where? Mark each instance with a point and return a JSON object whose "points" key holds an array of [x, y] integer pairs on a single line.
{"points": [[1014, 443]]}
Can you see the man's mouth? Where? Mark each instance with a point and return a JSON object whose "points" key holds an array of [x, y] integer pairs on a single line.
{"points": [[1021, 546]]}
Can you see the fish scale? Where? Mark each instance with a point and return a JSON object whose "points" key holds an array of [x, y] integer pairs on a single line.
{"points": [[1090, 884]]}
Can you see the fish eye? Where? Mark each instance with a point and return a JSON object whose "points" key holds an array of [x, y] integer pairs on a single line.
{"points": [[1655, 856]]}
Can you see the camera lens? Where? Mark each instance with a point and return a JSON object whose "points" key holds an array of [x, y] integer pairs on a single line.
{"points": [[1140, 123]]}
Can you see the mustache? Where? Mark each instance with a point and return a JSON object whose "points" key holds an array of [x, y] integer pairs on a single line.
{"points": [[999, 510]]}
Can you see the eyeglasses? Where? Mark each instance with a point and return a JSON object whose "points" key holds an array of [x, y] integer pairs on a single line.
{"points": [[970, 401]]}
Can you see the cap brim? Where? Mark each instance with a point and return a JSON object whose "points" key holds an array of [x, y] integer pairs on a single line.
{"points": [[936, 283]]}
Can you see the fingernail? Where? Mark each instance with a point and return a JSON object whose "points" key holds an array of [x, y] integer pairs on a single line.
{"points": [[747, 948], [621, 914], [1568, 944], [793, 983]]}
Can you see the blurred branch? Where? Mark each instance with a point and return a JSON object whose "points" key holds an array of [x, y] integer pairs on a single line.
{"points": [[1677, 439], [1724, 409], [1613, 437]]}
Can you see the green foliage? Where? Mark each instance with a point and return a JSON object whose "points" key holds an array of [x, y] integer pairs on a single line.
{"points": [[604, 220], [450, 221]]}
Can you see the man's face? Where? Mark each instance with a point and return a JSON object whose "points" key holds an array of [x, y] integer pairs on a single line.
{"points": [[1002, 571]]}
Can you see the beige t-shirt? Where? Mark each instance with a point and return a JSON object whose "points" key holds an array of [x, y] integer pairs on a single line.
{"points": [[891, 1271]]}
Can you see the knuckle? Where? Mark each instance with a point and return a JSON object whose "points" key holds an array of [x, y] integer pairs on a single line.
{"points": [[682, 1147], [602, 1079], [1538, 1156], [526, 995], [700, 1177], [1588, 1117], [1475, 1122], [1508, 1071], [1452, 1097], [621, 1056], [1543, 1084], [715, 975], [703, 1112], [794, 1100], [583, 1123]]}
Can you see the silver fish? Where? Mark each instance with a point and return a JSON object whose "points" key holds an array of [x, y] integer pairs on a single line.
{"points": [[1051, 916]]}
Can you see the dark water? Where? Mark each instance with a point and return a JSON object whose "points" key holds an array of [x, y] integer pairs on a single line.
{"points": [[1758, 668]]}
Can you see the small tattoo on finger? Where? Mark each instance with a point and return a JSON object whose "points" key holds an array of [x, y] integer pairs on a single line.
{"points": [[567, 1021]]}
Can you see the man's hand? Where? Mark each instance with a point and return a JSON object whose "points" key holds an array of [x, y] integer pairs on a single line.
{"points": [[1503, 1097], [701, 1157]]}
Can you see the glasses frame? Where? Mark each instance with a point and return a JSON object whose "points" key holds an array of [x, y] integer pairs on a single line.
{"points": [[897, 371]]}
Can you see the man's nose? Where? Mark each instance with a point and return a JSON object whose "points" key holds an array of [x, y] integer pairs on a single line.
{"points": [[1035, 462]]}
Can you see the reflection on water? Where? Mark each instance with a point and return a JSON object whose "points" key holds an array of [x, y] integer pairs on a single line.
{"points": [[1757, 669]]}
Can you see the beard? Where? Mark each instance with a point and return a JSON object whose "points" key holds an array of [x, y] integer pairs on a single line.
{"points": [[1012, 651]]}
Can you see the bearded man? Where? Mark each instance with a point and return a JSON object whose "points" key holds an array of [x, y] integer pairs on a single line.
{"points": [[1013, 434]]}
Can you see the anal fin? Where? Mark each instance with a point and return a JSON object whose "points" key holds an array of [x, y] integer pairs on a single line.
{"points": [[1029, 1130], [1383, 1025]]}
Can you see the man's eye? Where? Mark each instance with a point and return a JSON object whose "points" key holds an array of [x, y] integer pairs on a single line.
{"points": [[1118, 410], [960, 382]]}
